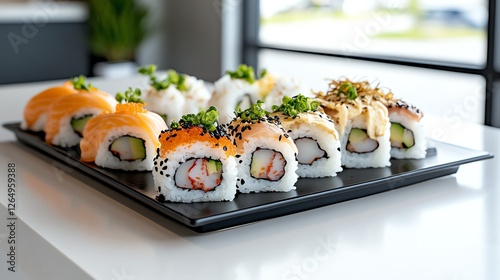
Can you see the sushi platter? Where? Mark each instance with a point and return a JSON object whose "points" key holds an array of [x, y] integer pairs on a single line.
{"points": [[441, 160]]}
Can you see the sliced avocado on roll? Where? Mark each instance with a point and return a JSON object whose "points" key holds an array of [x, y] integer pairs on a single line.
{"points": [[78, 124], [401, 137], [128, 148], [359, 142]]}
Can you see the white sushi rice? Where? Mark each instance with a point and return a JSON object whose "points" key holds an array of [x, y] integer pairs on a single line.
{"points": [[380, 157], [228, 93], [169, 102], [285, 86], [67, 137], [247, 184], [328, 142], [418, 150], [196, 97], [39, 124], [165, 168], [105, 158]]}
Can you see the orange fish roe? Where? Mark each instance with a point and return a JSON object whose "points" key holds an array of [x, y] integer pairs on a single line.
{"points": [[131, 108], [171, 139]]}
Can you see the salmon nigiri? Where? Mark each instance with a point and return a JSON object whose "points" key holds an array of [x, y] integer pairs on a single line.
{"points": [[35, 112], [68, 115]]}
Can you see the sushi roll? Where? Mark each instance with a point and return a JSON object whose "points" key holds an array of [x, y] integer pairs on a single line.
{"points": [[266, 153], [68, 115], [126, 139], [362, 122], [35, 112], [314, 135], [407, 132], [236, 90], [196, 161], [285, 86], [175, 94]]}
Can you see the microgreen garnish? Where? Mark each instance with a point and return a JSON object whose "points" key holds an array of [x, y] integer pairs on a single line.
{"points": [[253, 113], [292, 106], [207, 119], [243, 72], [129, 96], [79, 83], [349, 90], [173, 78]]}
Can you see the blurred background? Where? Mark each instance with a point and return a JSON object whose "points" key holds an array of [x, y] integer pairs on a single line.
{"points": [[439, 54]]}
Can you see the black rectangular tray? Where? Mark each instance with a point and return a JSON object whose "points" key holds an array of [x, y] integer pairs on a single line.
{"points": [[444, 159]]}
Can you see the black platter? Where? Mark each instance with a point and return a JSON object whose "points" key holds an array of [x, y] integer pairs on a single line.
{"points": [[444, 159]]}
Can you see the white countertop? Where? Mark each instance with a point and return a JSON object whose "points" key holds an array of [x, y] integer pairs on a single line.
{"points": [[447, 228]]}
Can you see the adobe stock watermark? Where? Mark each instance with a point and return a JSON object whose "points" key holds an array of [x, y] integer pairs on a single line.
{"points": [[223, 6], [121, 275], [362, 35], [31, 26], [323, 251], [459, 113]]}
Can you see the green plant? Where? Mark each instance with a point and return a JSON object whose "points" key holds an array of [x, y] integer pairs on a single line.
{"points": [[116, 28]]}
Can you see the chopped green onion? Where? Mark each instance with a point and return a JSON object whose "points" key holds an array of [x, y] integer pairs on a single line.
{"points": [[129, 96], [244, 72], [349, 90], [292, 106], [173, 78], [207, 119], [79, 83], [255, 112]]}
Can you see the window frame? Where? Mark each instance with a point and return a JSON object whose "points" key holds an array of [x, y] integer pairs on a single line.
{"points": [[252, 45]]}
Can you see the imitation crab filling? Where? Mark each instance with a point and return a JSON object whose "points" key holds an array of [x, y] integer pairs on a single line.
{"points": [[401, 137], [267, 164], [128, 148], [199, 174], [78, 124], [309, 150], [359, 142]]}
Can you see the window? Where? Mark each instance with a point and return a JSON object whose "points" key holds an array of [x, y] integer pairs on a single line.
{"points": [[437, 54]]}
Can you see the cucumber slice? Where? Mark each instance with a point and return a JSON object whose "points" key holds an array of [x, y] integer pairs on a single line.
{"points": [[359, 142], [401, 137], [214, 166], [357, 135], [78, 124], [128, 148]]}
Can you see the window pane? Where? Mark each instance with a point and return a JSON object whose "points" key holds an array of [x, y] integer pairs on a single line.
{"points": [[439, 30], [456, 97]]}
